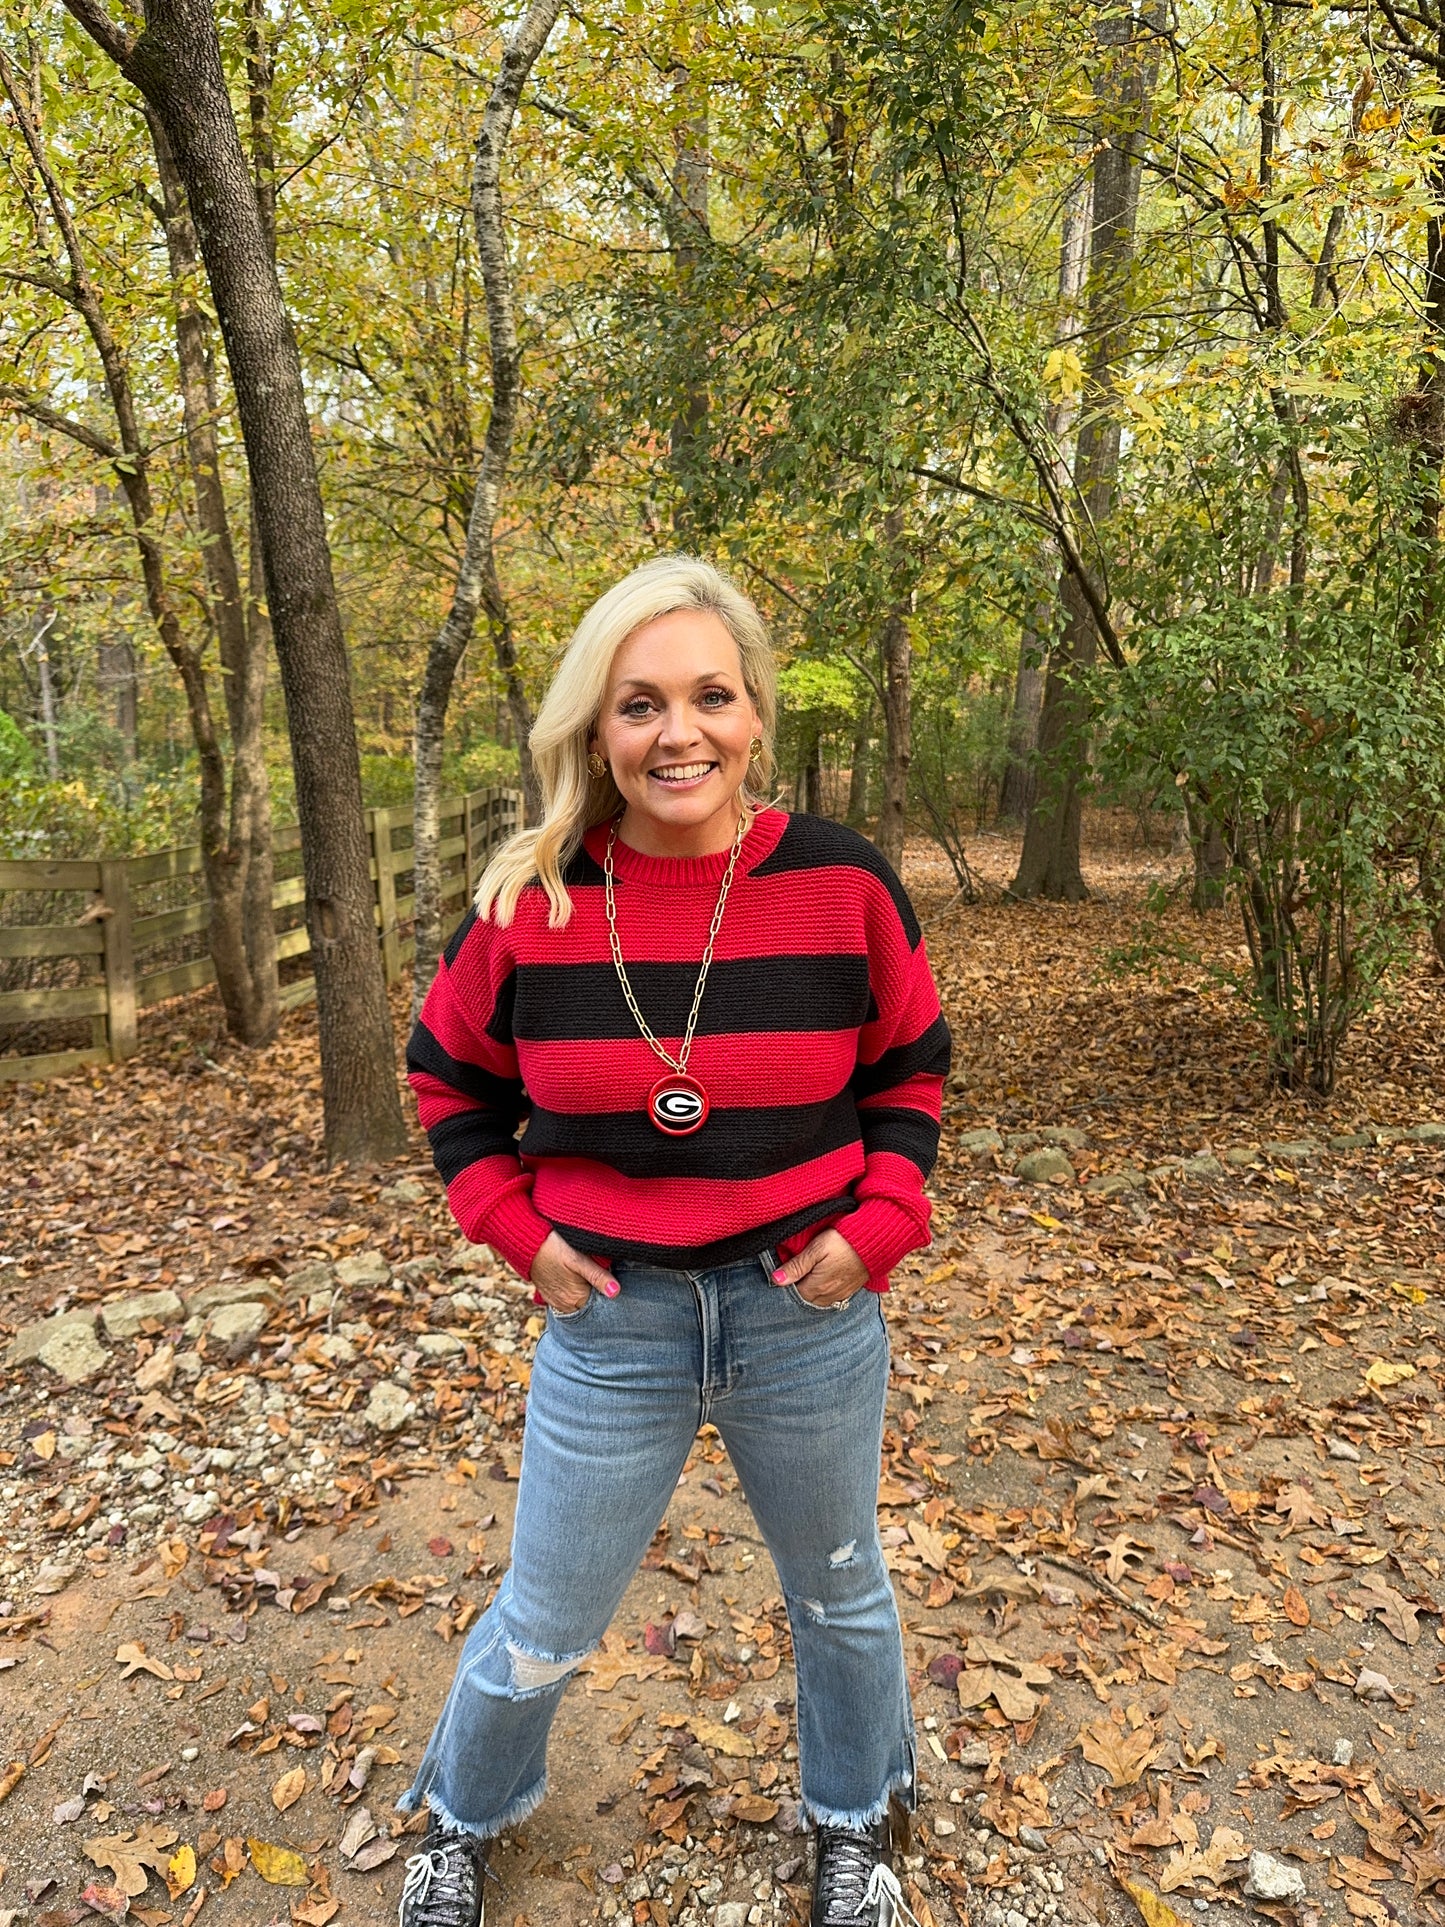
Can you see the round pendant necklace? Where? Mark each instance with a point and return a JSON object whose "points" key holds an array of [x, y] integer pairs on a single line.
{"points": [[677, 1103]]}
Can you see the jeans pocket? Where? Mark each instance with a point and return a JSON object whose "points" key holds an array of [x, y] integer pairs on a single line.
{"points": [[571, 1317], [821, 1311]]}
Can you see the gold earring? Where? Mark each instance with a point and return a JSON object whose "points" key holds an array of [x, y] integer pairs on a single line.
{"points": [[755, 750], [595, 764]]}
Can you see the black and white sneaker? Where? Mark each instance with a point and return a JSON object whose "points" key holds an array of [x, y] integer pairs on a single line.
{"points": [[444, 1882], [854, 1884]]}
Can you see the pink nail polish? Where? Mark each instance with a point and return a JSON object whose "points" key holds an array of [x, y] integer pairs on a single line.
{"points": [[780, 1277], [611, 1291]]}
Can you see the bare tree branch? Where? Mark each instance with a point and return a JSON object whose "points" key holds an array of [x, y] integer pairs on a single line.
{"points": [[48, 417]]}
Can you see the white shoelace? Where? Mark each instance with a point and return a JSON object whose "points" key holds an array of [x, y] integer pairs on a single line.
{"points": [[886, 1895], [421, 1870]]}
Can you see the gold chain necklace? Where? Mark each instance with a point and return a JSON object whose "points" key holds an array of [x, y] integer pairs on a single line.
{"points": [[677, 1104]]}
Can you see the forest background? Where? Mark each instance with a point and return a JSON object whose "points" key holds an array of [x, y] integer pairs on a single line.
{"points": [[1064, 383]]}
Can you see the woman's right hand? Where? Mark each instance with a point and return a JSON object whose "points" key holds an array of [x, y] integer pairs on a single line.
{"points": [[564, 1277]]}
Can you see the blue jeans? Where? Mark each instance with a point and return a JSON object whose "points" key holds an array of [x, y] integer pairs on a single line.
{"points": [[618, 1392]]}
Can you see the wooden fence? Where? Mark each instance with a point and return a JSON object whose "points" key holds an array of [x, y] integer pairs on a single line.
{"points": [[86, 947]]}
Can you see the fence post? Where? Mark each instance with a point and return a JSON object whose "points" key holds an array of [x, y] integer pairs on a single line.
{"points": [[119, 958], [469, 853], [386, 893]]}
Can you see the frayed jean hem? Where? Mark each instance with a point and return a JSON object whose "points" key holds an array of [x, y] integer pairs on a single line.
{"points": [[512, 1815], [901, 1790]]}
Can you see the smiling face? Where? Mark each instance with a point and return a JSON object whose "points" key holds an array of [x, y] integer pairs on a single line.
{"points": [[675, 728]]}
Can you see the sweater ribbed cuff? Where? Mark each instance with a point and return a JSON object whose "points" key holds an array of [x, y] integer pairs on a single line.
{"points": [[500, 1215], [882, 1233], [517, 1229]]}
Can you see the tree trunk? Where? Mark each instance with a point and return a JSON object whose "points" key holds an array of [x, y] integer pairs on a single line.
{"points": [[685, 218], [1016, 794], [131, 463], [176, 64], [1049, 865], [897, 729], [1211, 858], [858, 770], [478, 585], [810, 774], [115, 673], [240, 869], [49, 720]]}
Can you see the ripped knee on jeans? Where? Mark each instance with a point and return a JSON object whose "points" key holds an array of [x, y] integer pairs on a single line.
{"points": [[534, 1672]]}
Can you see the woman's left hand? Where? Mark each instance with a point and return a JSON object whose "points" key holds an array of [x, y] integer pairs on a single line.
{"points": [[827, 1271]]}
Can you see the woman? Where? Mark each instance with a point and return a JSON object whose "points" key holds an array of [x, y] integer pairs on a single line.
{"points": [[719, 1024]]}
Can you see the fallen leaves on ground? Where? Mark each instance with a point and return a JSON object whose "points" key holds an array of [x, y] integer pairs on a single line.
{"points": [[1152, 1471], [279, 1866], [1122, 1749], [288, 1789], [133, 1857]]}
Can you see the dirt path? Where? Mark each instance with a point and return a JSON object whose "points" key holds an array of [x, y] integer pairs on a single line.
{"points": [[1161, 1492]]}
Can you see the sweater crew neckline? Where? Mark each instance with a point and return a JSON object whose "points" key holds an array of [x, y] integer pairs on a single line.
{"points": [[678, 872]]}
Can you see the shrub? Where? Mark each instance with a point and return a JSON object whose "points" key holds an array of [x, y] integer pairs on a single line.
{"points": [[1301, 735]]}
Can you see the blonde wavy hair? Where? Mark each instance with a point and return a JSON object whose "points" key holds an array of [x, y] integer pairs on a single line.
{"points": [[572, 799]]}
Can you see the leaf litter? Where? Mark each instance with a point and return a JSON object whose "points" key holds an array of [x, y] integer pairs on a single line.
{"points": [[1158, 1490]]}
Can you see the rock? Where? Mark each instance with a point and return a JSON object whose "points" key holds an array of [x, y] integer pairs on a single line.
{"points": [[31, 1340], [388, 1408], [189, 1366], [404, 1191], [235, 1328], [1297, 1151], [1203, 1166], [439, 1345], [1069, 1135], [319, 1303], [974, 1753], [978, 1142], [1022, 1141], [731, 1913], [1271, 1879], [128, 1316], [1240, 1155], [158, 1370], [1031, 1838], [1115, 1184], [1342, 1449], [336, 1349], [1352, 1140], [465, 1256], [54, 1576], [368, 1270], [233, 1291], [1373, 1686], [1343, 1754], [1049, 1166], [308, 1278], [1427, 1133], [74, 1354]]}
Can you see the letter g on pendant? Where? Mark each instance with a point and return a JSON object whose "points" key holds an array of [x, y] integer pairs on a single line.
{"points": [[678, 1105]]}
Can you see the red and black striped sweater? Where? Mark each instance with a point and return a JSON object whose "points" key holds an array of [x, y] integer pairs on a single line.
{"points": [[820, 1043]]}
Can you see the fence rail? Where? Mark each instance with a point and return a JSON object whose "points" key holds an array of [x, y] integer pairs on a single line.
{"points": [[93, 945]]}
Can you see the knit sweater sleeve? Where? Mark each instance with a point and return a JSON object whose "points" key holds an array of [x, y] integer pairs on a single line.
{"points": [[462, 1064], [903, 1058]]}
